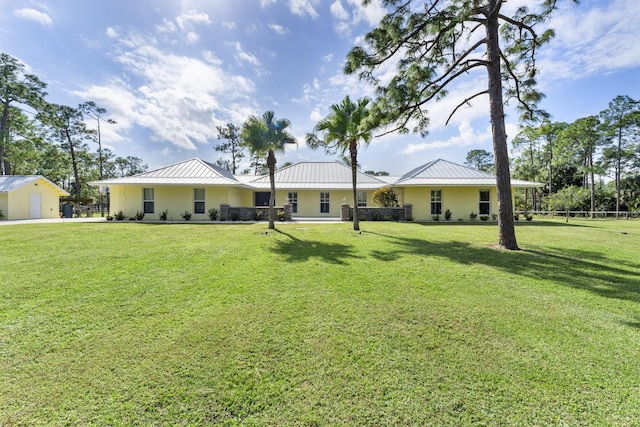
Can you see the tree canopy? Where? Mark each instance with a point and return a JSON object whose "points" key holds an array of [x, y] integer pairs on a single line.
{"points": [[434, 44]]}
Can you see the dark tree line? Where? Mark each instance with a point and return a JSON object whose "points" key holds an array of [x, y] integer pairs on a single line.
{"points": [[42, 138]]}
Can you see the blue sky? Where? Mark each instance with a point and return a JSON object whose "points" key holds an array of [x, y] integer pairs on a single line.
{"points": [[170, 71]]}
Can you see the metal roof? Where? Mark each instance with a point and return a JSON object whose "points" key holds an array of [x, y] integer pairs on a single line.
{"points": [[9, 183], [312, 175], [318, 175], [189, 172], [444, 173]]}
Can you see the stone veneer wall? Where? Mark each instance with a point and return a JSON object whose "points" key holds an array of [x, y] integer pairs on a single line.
{"points": [[405, 213], [242, 213]]}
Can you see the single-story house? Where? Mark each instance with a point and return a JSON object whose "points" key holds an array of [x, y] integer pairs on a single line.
{"points": [[29, 197], [313, 189]]}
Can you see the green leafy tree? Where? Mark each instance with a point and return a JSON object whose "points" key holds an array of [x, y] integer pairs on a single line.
{"points": [[16, 88], [233, 147], [264, 136], [528, 160], [69, 129], [96, 113], [434, 43], [385, 197], [583, 137], [343, 129], [129, 166], [480, 159], [621, 122]]}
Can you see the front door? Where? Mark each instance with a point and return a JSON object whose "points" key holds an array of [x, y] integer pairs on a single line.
{"points": [[35, 206]]}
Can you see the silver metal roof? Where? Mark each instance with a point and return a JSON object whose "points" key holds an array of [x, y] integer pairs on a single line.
{"points": [[312, 175], [318, 175], [9, 183], [189, 172], [444, 173]]}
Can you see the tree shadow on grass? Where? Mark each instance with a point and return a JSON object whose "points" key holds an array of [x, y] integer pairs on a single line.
{"points": [[579, 269], [296, 250]]}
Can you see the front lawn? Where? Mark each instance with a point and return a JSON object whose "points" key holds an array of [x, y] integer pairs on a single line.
{"points": [[315, 324]]}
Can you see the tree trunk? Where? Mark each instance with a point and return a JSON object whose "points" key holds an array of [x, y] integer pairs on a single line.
{"points": [[74, 164], [353, 150], [271, 164], [506, 227], [593, 186], [4, 134]]}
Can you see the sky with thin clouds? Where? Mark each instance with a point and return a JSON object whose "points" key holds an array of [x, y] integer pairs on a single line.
{"points": [[169, 72]]}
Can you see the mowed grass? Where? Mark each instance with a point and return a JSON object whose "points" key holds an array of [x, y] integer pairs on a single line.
{"points": [[315, 324]]}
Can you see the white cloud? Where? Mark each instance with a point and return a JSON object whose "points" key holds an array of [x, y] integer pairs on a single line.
{"points": [[179, 99], [328, 58], [192, 37], [315, 115], [467, 136], [279, 29], [265, 3], [304, 7], [338, 11], [230, 25], [111, 32], [34, 15], [592, 41], [190, 17]]}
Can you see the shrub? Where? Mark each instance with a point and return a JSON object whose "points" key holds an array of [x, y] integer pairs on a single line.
{"points": [[387, 218], [280, 215], [119, 216], [447, 215], [213, 214], [109, 218], [1, 215], [235, 216], [473, 216], [494, 216], [375, 216], [516, 216], [257, 215], [484, 217], [363, 218], [385, 197], [186, 215], [163, 215], [529, 217], [435, 217], [139, 216]]}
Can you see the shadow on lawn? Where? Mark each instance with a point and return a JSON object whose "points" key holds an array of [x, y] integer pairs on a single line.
{"points": [[296, 250], [579, 269]]}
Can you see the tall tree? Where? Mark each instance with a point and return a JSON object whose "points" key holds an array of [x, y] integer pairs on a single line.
{"points": [[264, 136], [435, 43], [16, 87], [231, 133], [621, 122], [347, 125], [528, 164], [69, 129], [583, 137], [96, 113], [480, 159], [129, 166]]}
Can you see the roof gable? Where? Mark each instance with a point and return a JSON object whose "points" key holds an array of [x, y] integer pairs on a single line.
{"points": [[9, 183], [192, 168], [317, 174], [443, 169]]}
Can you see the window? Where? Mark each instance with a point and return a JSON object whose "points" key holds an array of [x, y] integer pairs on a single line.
{"points": [[148, 203], [293, 201], [362, 199], [484, 207], [198, 200], [324, 202], [436, 202]]}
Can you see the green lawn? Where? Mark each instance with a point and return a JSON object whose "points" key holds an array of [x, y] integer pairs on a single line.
{"points": [[315, 324]]}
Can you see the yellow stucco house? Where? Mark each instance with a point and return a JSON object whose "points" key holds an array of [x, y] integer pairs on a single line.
{"points": [[313, 189], [29, 197]]}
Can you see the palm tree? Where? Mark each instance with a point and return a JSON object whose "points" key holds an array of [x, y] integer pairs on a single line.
{"points": [[264, 136], [343, 129]]}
